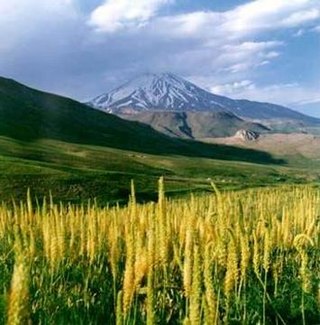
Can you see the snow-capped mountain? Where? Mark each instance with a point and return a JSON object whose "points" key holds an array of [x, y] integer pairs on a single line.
{"points": [[155, 92], [167, 92]]}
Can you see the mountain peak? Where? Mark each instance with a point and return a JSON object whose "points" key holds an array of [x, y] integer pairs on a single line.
{"points": [[163, 91], [152, 82], [165, 76]]}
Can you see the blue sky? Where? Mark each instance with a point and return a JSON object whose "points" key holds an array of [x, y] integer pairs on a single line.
{"points": [[265, 50]]}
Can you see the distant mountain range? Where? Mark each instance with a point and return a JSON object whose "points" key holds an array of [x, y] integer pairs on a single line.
{"points": [[170, 93]]}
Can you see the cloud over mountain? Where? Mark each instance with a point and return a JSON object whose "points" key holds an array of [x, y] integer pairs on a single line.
{"points": [[114, 15]]}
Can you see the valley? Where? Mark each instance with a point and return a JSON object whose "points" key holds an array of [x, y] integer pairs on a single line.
{"points": [[76, 173]]}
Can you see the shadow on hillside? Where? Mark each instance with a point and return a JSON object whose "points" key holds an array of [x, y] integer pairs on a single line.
{"points": [[29, 115]]}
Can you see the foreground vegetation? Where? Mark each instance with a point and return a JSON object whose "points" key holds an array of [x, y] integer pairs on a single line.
{"points": [[249, 257]]}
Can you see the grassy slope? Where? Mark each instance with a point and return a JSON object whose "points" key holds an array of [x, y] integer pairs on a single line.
{"points": [[77, 172], [27, 114]]}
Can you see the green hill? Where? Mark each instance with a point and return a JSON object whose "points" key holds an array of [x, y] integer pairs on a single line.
{"points": [[48, 142], [27, 114]]}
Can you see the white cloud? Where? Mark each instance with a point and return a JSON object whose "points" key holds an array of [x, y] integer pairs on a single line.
{"points": [[298, 18], [299, 32], [232, 88], [115, 15], [316, 29], [199, 24], [245, 20], [247, 55], [271, 55], [252, 46], [260, 50], [265, 15], [231, 41]]}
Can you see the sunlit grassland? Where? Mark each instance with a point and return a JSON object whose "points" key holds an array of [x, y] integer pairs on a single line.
{"points": [[246, 257], [75, 172]]}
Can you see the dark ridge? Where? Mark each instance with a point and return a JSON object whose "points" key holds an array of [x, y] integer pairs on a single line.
{"points": [[28, 115]]}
